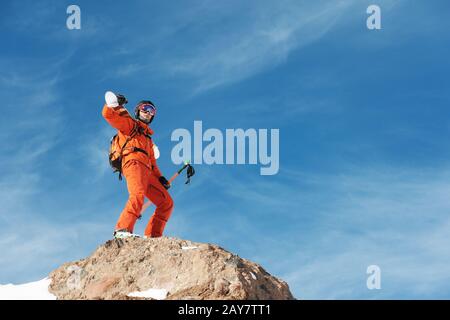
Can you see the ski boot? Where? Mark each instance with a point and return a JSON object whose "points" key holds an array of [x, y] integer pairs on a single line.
{"points": [[124, 233]]}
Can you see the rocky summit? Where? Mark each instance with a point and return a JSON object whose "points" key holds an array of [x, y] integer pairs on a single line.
{"points": [[164, 268]]}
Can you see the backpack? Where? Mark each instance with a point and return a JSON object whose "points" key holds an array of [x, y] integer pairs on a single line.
{"points": [[116, 150]]}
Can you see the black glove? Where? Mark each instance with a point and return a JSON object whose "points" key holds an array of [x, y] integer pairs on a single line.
{"points": [[164, 182], [189, 173], [121, 99]]}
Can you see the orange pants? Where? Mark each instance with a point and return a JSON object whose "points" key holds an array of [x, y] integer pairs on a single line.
{"points": [[142, 183]]}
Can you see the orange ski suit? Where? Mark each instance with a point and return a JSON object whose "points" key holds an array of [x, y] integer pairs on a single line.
{"points": [[141, 173]]}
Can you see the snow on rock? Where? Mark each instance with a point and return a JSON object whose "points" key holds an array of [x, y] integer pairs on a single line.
{"points": [[188, 247], [37, 290], [119, 267], [158, 294]]}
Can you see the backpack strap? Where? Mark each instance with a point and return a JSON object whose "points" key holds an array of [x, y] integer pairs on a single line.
{"points": [[132, 134], [136, 149], [137, 129]]}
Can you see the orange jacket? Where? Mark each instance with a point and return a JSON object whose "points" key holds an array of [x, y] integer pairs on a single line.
{"points": [[119, 118]]}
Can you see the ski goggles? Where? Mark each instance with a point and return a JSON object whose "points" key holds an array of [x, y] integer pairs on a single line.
{"points": [[148, 108]]}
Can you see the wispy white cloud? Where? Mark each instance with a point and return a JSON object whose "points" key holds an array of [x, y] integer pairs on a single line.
{"points": [[245, 49], [216, 44], [236, 46]]}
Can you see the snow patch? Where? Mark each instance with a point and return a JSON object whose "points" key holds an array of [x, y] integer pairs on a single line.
{"points": [[188, 248], [253, 275], [158, 294], [37, 290]]}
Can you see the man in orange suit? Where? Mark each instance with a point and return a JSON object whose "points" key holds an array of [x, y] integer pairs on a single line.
{"points": [[138, 166]]}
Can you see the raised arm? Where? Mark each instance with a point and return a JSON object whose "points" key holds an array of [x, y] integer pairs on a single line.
{"points": [[116, 115]]}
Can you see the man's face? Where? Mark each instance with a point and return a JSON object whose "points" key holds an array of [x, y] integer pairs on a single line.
{"points": [[146, 112], [146, 116]]}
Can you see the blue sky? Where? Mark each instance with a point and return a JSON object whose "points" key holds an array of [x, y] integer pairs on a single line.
{"points": [[363, 116]]}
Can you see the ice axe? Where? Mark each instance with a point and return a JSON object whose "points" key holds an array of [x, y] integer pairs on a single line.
{"points": [[189, 173]]}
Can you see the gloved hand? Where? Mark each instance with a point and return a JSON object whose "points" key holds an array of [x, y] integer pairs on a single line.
{"points": [[121, 99], [164, 182], [114, 100]]}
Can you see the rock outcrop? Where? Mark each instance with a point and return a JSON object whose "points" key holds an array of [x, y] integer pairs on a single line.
{"points": [[164, 268]]}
